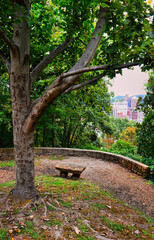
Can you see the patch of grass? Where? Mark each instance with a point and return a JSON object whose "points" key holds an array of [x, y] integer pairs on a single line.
{"points": [[8, 184], [10, 163], [57, 157], [144, 232], [114, 225], [82, 226], [54, 222], [3, 234], [149, 219], [151, 182], [99, 205], [65, 203], [33, 232]]}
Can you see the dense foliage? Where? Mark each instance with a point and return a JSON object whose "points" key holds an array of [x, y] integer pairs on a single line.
{"points": [[6, 132], [123, 147], [145, 133], [74, 118]]}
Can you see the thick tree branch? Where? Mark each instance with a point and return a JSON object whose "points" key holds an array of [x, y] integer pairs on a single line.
{"points": [[44, 63], [6, 39], [77, 86], [59, 81], [94, 68], [60, 84], [6, 61]]}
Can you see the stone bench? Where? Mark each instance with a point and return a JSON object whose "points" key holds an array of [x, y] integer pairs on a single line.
{"points": [[66, 168]]}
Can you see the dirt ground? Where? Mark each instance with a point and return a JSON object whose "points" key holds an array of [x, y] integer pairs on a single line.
{"points": [[123, 184]]}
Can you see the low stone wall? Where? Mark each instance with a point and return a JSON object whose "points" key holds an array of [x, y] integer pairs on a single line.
{"points": [[132, 165], [6, 153]]}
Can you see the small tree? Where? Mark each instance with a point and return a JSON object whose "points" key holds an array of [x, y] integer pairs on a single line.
{"points": [[129, 135], [115, 32]]}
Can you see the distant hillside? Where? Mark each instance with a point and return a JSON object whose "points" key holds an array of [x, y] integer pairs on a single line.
{"points": [[119, 98]]}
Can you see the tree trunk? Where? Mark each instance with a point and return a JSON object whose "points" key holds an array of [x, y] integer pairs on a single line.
{"points": [[20, 92], [23, 143], [24, 157]]}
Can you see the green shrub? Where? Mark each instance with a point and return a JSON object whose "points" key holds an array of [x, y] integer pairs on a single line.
{"points": [[122, 147]]}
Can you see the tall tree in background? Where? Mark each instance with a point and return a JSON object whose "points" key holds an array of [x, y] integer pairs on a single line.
{"points": [[118, 39], [145, 131]]}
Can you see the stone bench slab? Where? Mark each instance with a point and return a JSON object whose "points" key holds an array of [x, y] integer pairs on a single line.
{"points": [[66, 168]]}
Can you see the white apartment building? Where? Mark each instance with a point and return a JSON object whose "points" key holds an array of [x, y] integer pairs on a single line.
{"points": [[120, 107]]}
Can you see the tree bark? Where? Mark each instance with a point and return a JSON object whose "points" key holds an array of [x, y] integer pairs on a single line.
{"points": [[24, 156], [20, 92], [23, 143]]}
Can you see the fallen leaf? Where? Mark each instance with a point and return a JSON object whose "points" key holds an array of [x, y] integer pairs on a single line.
{"points": [[15, 227], [108, 206], [46, 219], [44, 227], [76, 230], [137, 232], [22, 224]]}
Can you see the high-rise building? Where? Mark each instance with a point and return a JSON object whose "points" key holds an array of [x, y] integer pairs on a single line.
{"points": [[134, 102], [128, 99], [134, 115], [120, 108]]}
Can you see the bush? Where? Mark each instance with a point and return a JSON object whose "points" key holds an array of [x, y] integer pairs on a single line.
{"points": [[122, 147]]}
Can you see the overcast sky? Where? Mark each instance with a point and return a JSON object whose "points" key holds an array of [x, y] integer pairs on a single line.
{"points": [[131, 82]]}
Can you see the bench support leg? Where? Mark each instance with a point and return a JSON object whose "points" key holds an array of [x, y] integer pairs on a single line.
{"points": [[75, 175], [63, 174]]}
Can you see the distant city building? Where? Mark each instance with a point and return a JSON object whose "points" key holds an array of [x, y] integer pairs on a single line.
{"points": [[134, 102], [120, 109], [125, 108], [128, 99], [134, 115]]}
